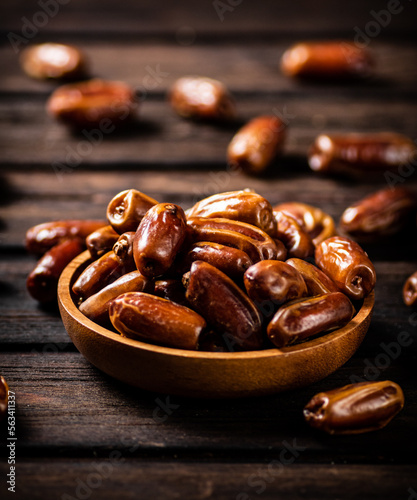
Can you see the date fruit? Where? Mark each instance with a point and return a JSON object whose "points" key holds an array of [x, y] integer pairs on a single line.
{"points": [[297, 241], [244, 206], [4, 397], [256, 145], [224, 306], [41, 238], [359, 155], [410, 290], [159, 238], [146, 317], [53, 61], [349, 267], [42, 282], [327, 60], [95, 103], [273, 280], [355, 408], [126, 210], [316, 281], [318, 224], [101, 241], [202, 98], [379, 215], [304, 318], [96, 307]]}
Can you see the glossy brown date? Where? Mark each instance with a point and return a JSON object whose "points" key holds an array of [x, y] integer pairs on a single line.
{"points": [[126, 210], [229, 260], [93, 104], [244, 206], [41, 238], [123, 248], [4, 397], [101, 241], [159, 238], [256, 144], [379, 215], [53, 61], [318, 224], [316, 281], [410, 290], [96, 307], [42, 282], [224, 306], [304, 318], [359, 155], [146, 317], [331, 60], [347, 265], [250, 239], [296, 240], [355, 408], [100, 273], [273, 280], [202, 98]]}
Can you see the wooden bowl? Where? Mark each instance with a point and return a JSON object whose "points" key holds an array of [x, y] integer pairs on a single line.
{"points": [[207, 374]]}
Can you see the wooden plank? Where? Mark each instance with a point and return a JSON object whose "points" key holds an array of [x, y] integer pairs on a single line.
{"points": [[239, 18], [120, 477], [59, 395], [32, 197], [29, 137], [244, 67]]}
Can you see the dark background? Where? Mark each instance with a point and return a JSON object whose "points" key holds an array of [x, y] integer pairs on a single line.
{"points": [[80, 432]]}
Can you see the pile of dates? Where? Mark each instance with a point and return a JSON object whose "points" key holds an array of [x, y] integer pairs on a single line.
{"points": [[231, 273]]}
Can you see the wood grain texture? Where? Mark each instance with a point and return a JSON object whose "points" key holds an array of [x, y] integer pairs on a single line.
{"points": [[243, 67], [243, 19], [123, 478]]}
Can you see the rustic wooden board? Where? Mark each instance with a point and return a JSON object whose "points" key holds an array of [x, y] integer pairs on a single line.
{"points": [[126, 479], [244, 19], [243, 67]]}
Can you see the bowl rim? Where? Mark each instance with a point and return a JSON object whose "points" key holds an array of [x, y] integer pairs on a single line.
{"points": [[66, 301]]}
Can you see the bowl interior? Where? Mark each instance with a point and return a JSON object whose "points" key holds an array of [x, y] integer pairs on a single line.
{"points": [[207, 374]]}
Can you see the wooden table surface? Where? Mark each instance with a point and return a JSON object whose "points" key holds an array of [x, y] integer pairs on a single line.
{"points": [[81, 434]]}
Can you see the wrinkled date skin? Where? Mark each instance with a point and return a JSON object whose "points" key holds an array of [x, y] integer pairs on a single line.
{"points": [[316, 281], [146, 317], [256, 144], [317, 223], [296, 240], [327, 60], [410, 291], [53, 61], [303, 318], [359, 155], [42, 282], [97, 306], [41, 238], [123, 248], [355, 408], [250, 239], [379, 215], [224, 306], [159, 238], [4, 397], [101, 241], [100, 273], [347, 265], [93, 104], [273, 280], [202, 98], [126, 210], [244, 206], [229, 260]]}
